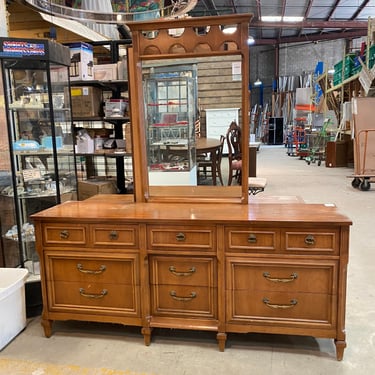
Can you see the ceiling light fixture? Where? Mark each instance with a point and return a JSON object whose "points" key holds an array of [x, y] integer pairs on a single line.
{"points": [[258, 82], [293, 19], [282, 19], [271, 18]]}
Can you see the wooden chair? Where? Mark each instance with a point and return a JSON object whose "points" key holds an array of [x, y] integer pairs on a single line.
{"points": [[234, 152], [205, 164]]}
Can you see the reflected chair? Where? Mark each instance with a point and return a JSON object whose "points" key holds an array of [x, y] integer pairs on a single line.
{"points": [[233, 138], [205, 163]]}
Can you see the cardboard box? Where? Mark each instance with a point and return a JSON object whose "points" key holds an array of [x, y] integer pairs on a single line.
{"points": [[81, 61], [89, 188], [105, 72], [86, 101]]}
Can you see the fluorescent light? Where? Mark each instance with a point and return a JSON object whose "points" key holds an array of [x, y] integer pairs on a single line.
{"points": [[282, 19], [270, 18], [258, 82], [331, 71], [250, 40], [293, 18]]}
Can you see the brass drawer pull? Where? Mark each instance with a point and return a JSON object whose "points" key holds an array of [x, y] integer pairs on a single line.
{"points": [[292, 303], [252, 238], [292, 277], [64, 234], [113, 235], [180, 236], [174, 295], [172, 269], [309, 240], [87, 295], [91, 272]]}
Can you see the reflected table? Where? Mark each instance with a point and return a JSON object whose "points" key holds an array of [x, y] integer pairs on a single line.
{"points": [[209, 146]]}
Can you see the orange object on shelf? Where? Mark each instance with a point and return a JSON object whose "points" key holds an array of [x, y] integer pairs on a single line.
{"points": [[305, 107]]}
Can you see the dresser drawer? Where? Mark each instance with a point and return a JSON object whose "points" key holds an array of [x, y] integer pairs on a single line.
{"points": [[240, 239], [75, 283], [183, 301], [311, 241], [126, 236], [179, 237], [282, 276], [183, 271], [282, 308], [64, 234], [269, 290], [100, 298], [72, 268]]}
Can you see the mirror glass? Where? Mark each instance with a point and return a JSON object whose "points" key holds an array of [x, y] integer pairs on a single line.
{"points": [[189, 105]]}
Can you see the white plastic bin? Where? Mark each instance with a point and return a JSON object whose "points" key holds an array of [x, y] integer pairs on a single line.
{"points": [[12, 303]]}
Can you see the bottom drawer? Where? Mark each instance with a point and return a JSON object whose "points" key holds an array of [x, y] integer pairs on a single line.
{"points": [[99, 297], [281, 307], [184, 301]]}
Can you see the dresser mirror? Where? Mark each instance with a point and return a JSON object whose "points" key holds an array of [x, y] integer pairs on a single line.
{"points": [[164, 66]]}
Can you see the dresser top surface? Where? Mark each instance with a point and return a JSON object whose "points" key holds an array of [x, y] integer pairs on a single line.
{"points": [[122, 208]]}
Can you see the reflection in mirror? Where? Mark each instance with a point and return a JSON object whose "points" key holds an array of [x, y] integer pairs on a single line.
{"points": [[171, 109], [189, 105]]}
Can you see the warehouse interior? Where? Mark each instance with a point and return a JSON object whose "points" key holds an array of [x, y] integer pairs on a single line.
{"points": [[277, 133]]}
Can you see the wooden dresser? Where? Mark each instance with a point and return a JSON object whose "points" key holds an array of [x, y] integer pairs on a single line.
{"points": [[270, 268]]}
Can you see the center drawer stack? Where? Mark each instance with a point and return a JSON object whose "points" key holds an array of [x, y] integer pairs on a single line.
{"points": [[183, 271]]}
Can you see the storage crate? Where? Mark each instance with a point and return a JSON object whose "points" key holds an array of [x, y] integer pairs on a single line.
{"points": [[348, 65], [12, 303]]}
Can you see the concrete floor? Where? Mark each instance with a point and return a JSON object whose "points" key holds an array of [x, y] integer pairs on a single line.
{"points": [[194, 353]]}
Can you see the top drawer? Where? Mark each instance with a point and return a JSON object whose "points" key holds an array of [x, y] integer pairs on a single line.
{"points": [[242, 239], [124, 236], [64, 234], [311, 240], [179, 237]]}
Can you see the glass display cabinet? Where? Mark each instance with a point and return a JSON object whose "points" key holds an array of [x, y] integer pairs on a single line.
{"points": [[38, 114], [170, 113]]}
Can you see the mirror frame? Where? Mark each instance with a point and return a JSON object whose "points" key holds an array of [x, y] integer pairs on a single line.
{"points": [[152, 41]]}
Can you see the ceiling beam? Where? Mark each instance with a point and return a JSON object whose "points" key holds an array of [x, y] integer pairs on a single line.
{"points": [[312, 25], [282, 15], [333, 9], [306, 15], [312, 38], [359, 9]]}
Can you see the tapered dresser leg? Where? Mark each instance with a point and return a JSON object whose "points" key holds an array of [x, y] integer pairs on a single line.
{"points": [[47, 326], [340, 346], [221, 338], [146, 332]]}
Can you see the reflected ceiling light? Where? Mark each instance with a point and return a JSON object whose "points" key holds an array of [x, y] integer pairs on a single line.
{"points": [[250, 40], [258, 82], [230, 29]]}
